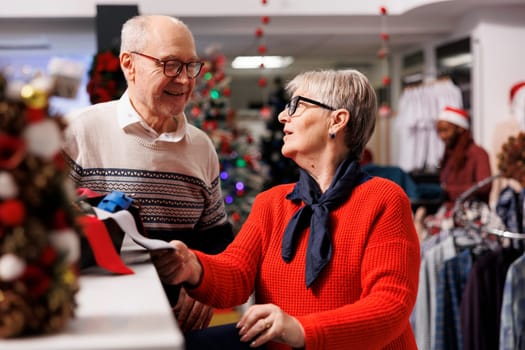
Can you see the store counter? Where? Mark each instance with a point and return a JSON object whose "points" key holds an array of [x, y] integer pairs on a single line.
{"points": [[115, 312]]}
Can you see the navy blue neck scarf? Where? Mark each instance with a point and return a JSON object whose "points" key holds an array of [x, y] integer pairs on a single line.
{"points": [[315, 213]]}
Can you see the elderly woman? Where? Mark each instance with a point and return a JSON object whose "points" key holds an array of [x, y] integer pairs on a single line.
{"points": [[333, 259]]}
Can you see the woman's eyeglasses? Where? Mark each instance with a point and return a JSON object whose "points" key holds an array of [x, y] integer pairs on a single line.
{"points": [[294, 102], [173, 67]]}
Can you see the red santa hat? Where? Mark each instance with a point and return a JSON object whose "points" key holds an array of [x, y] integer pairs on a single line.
{"points": [[515, 88], [517, 103], [455, 116]]}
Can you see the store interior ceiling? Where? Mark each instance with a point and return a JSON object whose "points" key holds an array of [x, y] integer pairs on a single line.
{"points": [[336, 40], [332, 33]]}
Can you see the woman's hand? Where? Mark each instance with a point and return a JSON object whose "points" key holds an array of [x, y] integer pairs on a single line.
{"points": [[178, 265], [262, 323]]}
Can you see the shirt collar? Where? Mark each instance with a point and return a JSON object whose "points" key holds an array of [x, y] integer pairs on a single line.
{"points": [[127, 116]]}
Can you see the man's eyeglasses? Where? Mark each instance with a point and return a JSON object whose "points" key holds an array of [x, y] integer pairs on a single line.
{"points": [[173, 67], [294, 102]]}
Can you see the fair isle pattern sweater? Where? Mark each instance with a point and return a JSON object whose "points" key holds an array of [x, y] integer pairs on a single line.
{"points": [[364, 296], [176, 183]]}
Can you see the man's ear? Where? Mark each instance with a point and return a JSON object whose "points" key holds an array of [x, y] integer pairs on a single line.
{"points": [[127, 65]]}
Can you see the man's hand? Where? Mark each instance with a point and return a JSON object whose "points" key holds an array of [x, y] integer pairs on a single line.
{"points": [[191, 314]]}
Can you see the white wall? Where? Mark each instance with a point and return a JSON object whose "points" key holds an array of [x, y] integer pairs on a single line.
{"points": [[497, 37], [499, 52]]}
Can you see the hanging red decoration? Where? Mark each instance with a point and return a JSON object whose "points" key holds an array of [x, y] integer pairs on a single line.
{"points": [[383, 10], [262, 49], [227, 92], [384, 36], [259, 32], [385, 111], [265, 19], [382, 52], [266, 113], [262, 82], [264, 2], [386, 81]]}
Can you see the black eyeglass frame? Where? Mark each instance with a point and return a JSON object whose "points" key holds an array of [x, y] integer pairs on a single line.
{"points": [[291, 106], [179, 70]]}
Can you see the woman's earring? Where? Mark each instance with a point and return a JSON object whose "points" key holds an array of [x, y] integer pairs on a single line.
{"points": [[332, 135]]}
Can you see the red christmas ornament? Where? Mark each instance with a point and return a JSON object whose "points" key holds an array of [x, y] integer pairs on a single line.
{"points": [[259, 32], [227, 92], [60, 220], [386, 80], [219, 76], [383, 10], [12, 212], [12, 151], [262, 49], [385, 36], [264, 2], [220, 61], [236, 217], [48, 257], [35, 114], [265, 19], [37, 280], [262, 82], [195, 111], [59, 161]]}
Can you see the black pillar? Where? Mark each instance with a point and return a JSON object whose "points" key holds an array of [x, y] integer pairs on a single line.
{"points": [[110, 19]]}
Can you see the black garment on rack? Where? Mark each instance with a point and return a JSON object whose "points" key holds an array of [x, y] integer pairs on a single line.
{"points": [[480, 307], [509, 208]]}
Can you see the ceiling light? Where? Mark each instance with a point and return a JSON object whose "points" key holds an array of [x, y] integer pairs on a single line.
{"points": [[252, 62], [463, 59]]}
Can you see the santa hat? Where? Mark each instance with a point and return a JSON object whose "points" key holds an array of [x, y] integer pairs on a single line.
{"points": [[517, 103], [515, 88], [455, 116]]}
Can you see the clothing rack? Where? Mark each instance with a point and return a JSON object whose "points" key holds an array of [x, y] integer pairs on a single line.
{"points": [[489, 230]]}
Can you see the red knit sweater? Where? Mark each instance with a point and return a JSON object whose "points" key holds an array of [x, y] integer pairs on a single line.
{"points": [[361, 300]]}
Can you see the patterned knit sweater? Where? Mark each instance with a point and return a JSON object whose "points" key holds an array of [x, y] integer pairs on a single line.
{"points": [[364, 296], [176, 183]]}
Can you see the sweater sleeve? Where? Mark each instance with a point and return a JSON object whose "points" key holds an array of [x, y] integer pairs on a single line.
{"points": [[389, 279], [236, 268]]}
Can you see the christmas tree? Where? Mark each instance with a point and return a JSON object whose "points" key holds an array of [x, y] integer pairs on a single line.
{"points": [[242, 173], [282, 169], [39, 241]]}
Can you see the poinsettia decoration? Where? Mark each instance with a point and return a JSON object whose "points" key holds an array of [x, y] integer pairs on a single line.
{"points": [[106, 80]]}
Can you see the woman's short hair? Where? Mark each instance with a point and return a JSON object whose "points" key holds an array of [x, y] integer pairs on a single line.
{"points": [[348, 89]]}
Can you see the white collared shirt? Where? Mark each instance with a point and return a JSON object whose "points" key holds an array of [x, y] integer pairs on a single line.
{"points": [[127, 116]]}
